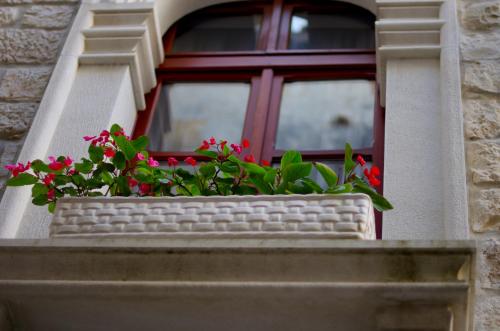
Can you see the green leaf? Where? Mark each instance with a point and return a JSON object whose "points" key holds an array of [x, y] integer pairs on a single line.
{"points": [[245, 190], [230, 168], [22, 179], [294, 171], [290, 157], [85, 167], [184, 174], [327, 173], [51, 207], [70, 190], [312, 185], [140, 143], [39, 166], [96, 153], [298, 189], [107, 178], [340, 189], [270, 175], [119, 161], [253, 169], [114, 129], [349, 164], [78, 179], [62, 180], [39, 189], [261, 185], [40, 200], [207, 170], [126, 147], [143, 175], [123, 188], [379, 202], [210, 154]]}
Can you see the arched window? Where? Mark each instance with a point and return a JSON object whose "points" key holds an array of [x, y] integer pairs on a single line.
{"points": [[285, 74]]}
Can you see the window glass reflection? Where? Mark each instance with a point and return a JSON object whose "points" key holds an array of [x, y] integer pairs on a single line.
{"points": [[187, 113], [226, 33], [324, 115]]}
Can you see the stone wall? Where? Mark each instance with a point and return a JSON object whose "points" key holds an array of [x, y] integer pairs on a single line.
{"points": [[480, 53], [32, 33]]}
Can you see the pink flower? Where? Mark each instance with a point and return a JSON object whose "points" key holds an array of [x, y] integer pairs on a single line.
{"points": [[191, 161], [172, 162], [236, 148], [249, 158], [110, 152], [54, 164], [89, 138], [49, 179], [68, 161], [51, 194], [140, 157], [132, 182], [152, 162], [104, 133], [17, 169], [71, 172]]}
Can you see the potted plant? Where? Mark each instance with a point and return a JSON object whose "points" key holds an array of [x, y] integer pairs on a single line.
{"points": [[223, 196]]}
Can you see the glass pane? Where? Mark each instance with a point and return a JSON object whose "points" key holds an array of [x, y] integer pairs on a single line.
{"points": [[212, 34], [187, 113], [324, 115], [320, 31]]}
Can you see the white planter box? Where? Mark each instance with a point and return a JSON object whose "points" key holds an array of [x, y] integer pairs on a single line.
{"points": [[348, 216]]}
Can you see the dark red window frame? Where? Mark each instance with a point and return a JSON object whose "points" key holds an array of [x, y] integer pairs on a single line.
{"points": [[267, 68]]}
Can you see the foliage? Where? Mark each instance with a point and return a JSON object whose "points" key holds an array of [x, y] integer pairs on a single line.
{"points": [[119, 166]]}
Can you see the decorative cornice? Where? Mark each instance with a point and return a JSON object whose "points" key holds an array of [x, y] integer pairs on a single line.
{"points": [[128, 36], [406, 29]]}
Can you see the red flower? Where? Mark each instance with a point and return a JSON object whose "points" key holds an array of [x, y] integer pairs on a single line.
{"points": [[245, 143], [68, 161], [372, 175], [17, 169], [223, 144], [54, 164], [213, 141], [105, 133], [172, 162], [374, 181], [236, 148], [49, 179], [361, 160], [249, 158], [109, 152], [51, 194], [375, 171], [266, 163], [204, 146], [71, 172], [144, 188], [132, 182], [89, 138], [189, 160]]}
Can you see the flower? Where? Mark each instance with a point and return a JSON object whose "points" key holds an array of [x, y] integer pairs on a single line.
{"points": [[54, 164], [71, 172], [89, 138], [132, 182], [249, 158], [245, 143], [172, 162], [204, 146], [144, 188], [213, 141], [223, 144], [140, 157], [189, 160], [109, 152], [361, 160], [51, 194], [236, 148], [266, 163], [68, 161], [47, 180], [372, 174], [17, 169], [153, 163]]}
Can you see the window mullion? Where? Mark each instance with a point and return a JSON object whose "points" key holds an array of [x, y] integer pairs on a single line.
{"points": [[272, 41]]}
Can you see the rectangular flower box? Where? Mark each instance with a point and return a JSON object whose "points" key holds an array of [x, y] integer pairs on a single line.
{"points": [[348, 216]]}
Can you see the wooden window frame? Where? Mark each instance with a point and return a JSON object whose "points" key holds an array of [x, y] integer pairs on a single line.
{"points": [[266, 69]]}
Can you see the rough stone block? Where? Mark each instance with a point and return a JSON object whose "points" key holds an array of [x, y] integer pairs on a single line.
{"points": [[24, 84], [8, 15], [489, 265], [482, 76], [480, 45], [48, 17], [485, 210], [487, 313], [482, 118], [29, 46], [15, 119], [483, 159], [481, 14]]}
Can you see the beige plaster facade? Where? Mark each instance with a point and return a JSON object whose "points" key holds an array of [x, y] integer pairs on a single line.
{"points": [[32, 34]]}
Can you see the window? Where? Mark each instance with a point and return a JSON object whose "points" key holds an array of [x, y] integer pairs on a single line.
{"points": [[284, 74]]}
